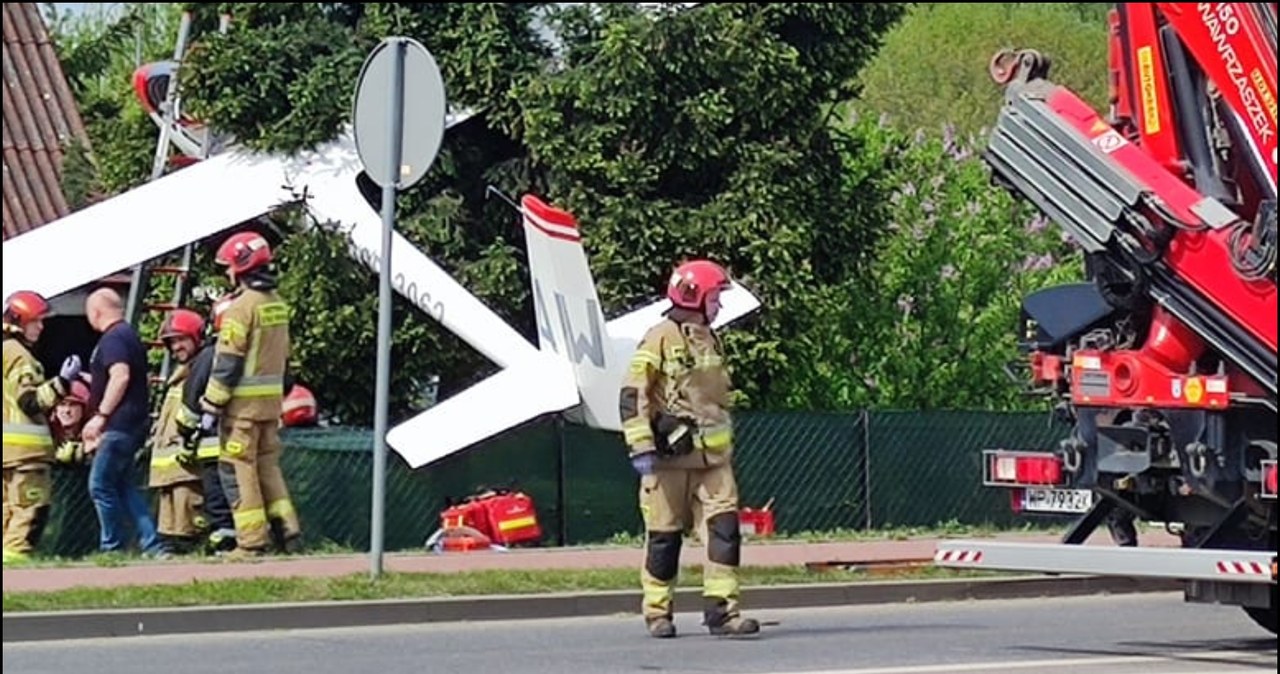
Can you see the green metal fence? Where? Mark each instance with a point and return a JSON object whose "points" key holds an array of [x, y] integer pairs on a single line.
{"points": [[823, 471]]}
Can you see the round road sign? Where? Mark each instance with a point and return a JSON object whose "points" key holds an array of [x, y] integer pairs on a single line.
{"points": [[423, 104]]}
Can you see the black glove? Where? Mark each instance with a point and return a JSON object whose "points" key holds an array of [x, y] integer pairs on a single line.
{"points": [[186, 456], [673, 435], [190, 436]]}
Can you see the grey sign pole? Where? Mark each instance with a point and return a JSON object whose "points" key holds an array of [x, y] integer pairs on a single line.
{"points": [[395, 123], [395, 157]]}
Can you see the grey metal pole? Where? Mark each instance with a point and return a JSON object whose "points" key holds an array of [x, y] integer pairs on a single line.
{"points": [[396, 127]]}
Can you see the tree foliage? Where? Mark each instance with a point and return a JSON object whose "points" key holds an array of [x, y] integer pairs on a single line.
{"points": [[707, 134], [933, 67], [890, 270], [284, 78]]}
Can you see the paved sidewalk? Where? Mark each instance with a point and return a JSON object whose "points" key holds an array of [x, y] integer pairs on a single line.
{"points": [[177, 572]]}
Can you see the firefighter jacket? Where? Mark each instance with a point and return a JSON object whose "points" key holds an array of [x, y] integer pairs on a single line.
{"points": [[247, 377], [167, 439], [678, 370], [28, 398]]}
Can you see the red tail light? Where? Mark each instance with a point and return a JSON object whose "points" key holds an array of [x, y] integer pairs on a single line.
{"points": [[1022, 468], [1039, 470], [1269, 487]]}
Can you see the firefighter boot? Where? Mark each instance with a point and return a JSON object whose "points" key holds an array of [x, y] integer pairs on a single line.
{"points": [[284, 541], [292, 545], [661, 627], [241, 554], [721, 623], [220, 541], [181, 545], [736, 626], [15, 556]]}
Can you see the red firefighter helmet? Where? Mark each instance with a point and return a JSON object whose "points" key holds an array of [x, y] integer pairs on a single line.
{"points": [[79, 393], [692, 281], [244, 252], [299, 407], [25, 306], [183, 323], [220, 307]]}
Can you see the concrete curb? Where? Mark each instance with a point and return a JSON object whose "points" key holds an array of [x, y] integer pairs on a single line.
{"points": [[44, 626]]}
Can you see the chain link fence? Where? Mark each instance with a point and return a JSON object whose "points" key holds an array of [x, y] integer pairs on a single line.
{"points": [[822, 471]]}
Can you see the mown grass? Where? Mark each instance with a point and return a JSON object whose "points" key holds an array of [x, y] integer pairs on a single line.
{"points": [[419, 585]]}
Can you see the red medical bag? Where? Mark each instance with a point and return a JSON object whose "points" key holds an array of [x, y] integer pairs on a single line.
{"points": [[504, 516]]}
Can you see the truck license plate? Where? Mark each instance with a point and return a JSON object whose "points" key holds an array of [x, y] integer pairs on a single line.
{"points": [[1057, 500]]}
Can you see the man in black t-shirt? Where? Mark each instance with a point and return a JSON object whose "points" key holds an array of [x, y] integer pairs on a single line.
{"points": [[118, 401]]}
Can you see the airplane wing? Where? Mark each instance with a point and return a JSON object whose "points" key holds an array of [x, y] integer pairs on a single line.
{"points": [[735, 303], [226, 190], [335, 198], [505, 400], [143, 223]]}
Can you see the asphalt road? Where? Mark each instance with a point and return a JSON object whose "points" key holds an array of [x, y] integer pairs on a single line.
{"points": [[1128, 634]]}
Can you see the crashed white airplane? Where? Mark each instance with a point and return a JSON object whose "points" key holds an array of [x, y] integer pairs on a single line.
{"points": [[582, 358], [577, 369]]}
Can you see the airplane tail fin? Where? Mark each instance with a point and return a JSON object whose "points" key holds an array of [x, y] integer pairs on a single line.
{"points": [[570, 321], [571, 324]]}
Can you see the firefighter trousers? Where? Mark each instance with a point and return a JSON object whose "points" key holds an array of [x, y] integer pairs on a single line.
{"points": [[27, 488], [249, 470], [217, 511], [180, 514], [674, 501]]}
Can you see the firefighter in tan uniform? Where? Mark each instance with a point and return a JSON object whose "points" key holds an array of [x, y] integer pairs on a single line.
{"points": [[674, 405], [205, 447], [175, 471], [28, 440], [245, 391]]}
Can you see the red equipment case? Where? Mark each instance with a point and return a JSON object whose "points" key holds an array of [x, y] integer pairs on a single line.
{"points": [[505, 516]]}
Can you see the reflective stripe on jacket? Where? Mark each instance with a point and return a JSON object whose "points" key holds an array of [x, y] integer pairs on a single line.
{"points": [[247, 380], [166, 437], [26, 438]]}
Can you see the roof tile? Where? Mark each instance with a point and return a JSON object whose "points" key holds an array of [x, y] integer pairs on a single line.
{"points": [[40, 116]]}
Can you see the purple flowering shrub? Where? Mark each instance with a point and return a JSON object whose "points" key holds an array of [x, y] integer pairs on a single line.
{"points": [[938, 317]]}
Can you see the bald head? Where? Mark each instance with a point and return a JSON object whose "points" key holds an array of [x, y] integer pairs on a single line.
{"points": [[103, 307]]}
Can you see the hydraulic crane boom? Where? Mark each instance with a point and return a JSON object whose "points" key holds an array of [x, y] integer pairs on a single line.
{"points": [[1117, 201], [1172, 210]]}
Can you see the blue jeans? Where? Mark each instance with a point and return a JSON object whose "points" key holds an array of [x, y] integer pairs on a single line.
{"points": [[116, 496]]}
